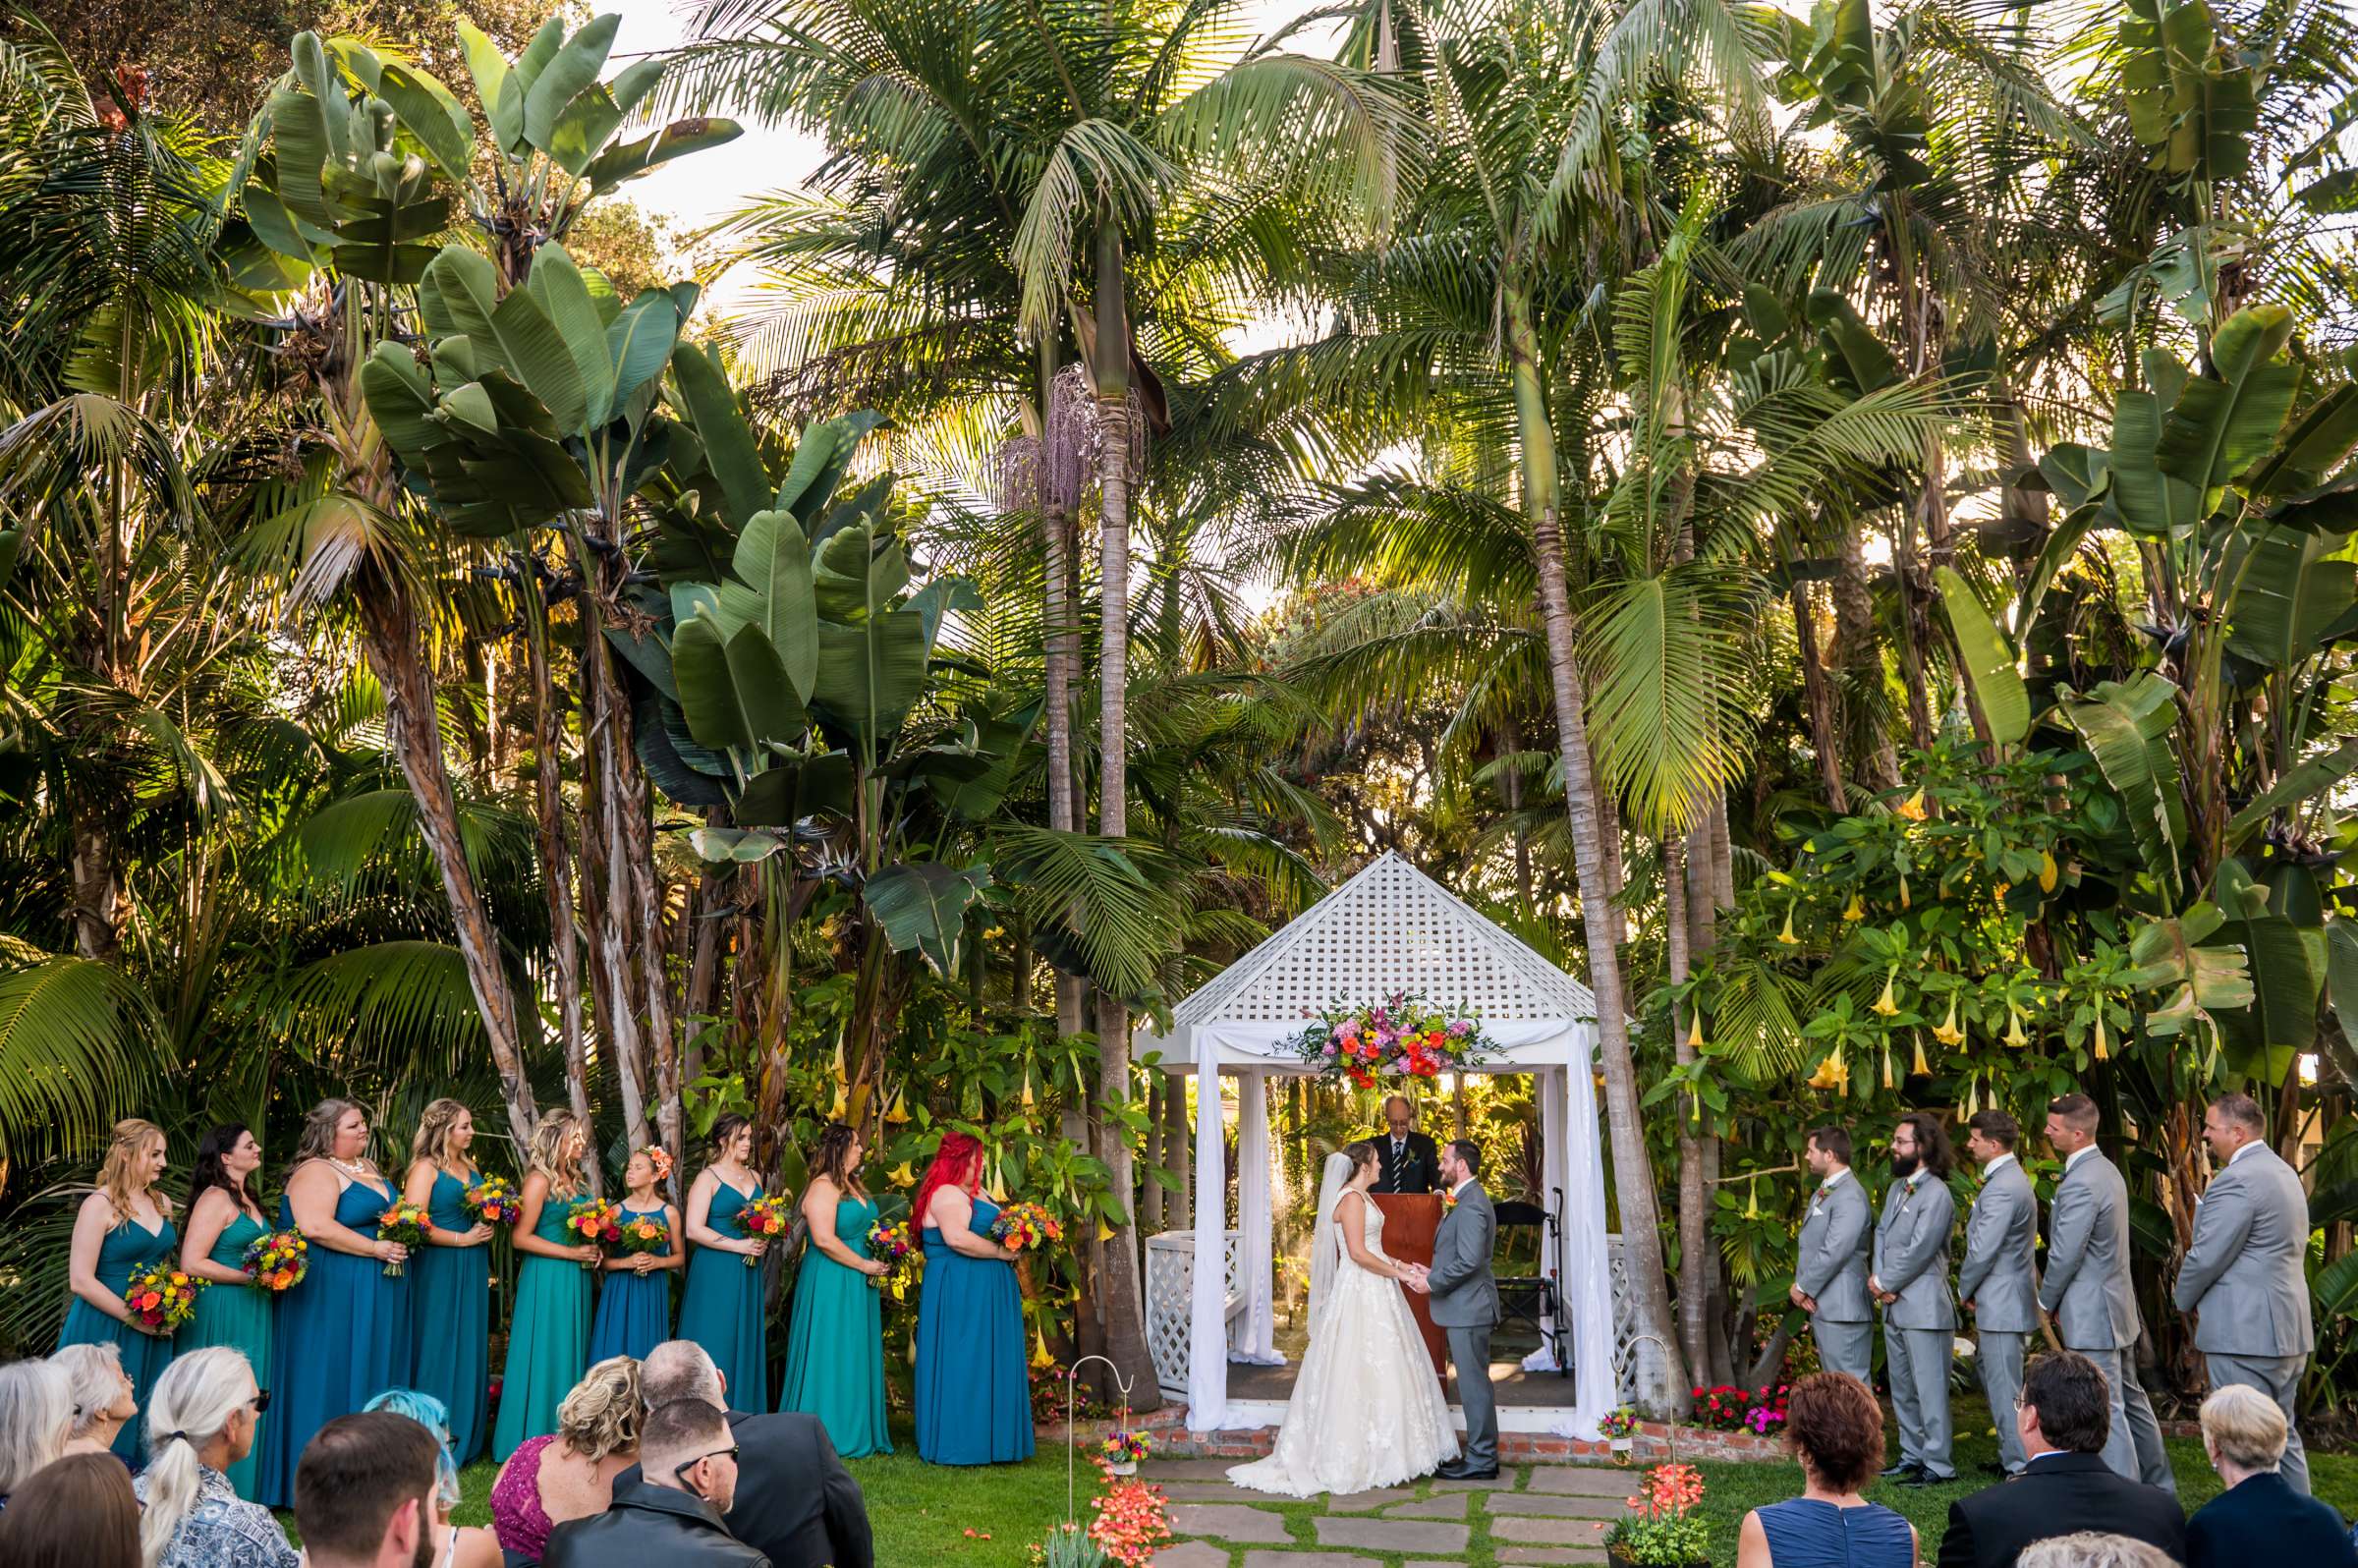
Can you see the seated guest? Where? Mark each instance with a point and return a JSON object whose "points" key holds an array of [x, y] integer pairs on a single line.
{"points": [[672, 1513], [201, 1419], [2259, 1518], [102, 1400], [36, 1414], [75, 1512], [455, 1546], [570, 1473], [796, 1503], [1835, 1429], [2087, 1548], [364, 1492], [2066, 1415]]}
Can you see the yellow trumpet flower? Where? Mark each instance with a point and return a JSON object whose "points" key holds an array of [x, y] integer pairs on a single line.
{"points": [[1904, 892], [2102, 1052], [898, 1111], [2014, 1036], [1694, 1034], [1029, 1103], [1854, 910], [1888, 1084], [1832, 1073], [1752, 1199], [1948, 1033], [2046, 872], [1105, 1231], [902, 1175], [1912, 808], [1922, 1068], [1040, 1350], [1885, 1004], [1786, 937]]}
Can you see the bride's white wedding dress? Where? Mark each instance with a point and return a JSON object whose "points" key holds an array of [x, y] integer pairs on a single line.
{"points": [[1367, 1410]]}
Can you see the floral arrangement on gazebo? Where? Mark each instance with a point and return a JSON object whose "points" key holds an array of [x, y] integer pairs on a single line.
{"points": [[1402, 1037]]}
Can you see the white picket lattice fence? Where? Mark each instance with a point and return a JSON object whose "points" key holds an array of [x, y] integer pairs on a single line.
{"points": [[1170, 1298]]}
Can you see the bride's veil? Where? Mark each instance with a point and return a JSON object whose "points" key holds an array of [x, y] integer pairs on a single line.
{"points": [[1325, 1246]]}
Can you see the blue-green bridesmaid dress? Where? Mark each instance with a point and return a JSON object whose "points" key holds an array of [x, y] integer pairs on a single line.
{"points": [[974, 1402], [835, 1346], [453, 1321], [549, 1340], [721, 1308], [633, 1311], [238, 1316], [128, 1249], [342, 1338]]}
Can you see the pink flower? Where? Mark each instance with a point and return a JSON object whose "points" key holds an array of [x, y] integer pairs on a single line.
{"points": [[1457, 1030], [1330, 1048]]}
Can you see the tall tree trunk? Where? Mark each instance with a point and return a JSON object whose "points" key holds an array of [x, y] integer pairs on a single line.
{"points": [[1826, 733], [101, 909], [613, 913], [1061, 653], [394, 642], [1633, 1171], [1694, 1217], [1179, 1149], [556, 860]]}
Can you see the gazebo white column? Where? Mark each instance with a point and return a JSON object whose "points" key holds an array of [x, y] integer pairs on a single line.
{"points": [[1252, 1338], [1588, 1288], [1207, 1352]]}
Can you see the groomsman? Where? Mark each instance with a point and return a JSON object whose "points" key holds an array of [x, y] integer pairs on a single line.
{"points": [[2244, 1275], [2087, 1289], [1911, 1282], [1829, 1278], [1999, 1281]]}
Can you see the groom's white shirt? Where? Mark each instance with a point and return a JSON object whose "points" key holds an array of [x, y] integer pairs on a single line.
{"points": [[1461, 1186]]}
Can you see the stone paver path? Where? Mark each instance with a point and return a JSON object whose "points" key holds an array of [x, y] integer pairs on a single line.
{"points": [[1546, 1516]]}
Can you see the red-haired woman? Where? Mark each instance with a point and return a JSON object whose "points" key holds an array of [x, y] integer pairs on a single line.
{"points": [[973, 1403]]}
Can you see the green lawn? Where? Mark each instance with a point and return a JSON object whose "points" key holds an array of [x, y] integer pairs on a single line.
{"points": [[923, 1512]]}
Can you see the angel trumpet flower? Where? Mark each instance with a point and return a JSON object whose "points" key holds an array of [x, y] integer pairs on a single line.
{"points": [[2046, 871], [1786, 937], [1854, 910], [1885, 1004], [1948, 1033], [2103, 1052], [1922, 1068], [1912, 808], [2014, 1036]]}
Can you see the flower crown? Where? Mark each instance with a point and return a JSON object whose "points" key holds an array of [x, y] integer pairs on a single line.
{"points": [[661, 1158]]}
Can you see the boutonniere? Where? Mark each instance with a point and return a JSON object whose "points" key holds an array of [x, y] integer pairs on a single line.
{"points": [[1448, 1203]]}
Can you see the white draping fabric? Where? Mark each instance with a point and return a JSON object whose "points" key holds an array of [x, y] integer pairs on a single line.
{"points": [[1587, 1282], [1206, 1348], [1252, 1338], [1548, 1089]]}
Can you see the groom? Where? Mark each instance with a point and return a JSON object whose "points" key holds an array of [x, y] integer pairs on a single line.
{"points": [[1465, 1301]]}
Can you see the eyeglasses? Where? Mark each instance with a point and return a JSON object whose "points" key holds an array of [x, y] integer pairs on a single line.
{"points": [[261, 1400], [680, 1471]]}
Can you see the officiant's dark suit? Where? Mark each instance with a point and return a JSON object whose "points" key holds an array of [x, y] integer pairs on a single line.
{"points": [[1406, 1160]]}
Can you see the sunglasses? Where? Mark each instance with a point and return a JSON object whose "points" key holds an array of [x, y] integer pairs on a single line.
{"points": [[261, 1400], [680, 1471]]}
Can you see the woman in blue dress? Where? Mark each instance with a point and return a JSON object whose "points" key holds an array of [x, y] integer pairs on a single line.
{"points": [[548, 1336], [450, 1279], [1835, 1429], [722, 1308], [835, 1347], [343, 1335], [973, 1399], [634, 1300], [122, 1229], [225, 1217]]}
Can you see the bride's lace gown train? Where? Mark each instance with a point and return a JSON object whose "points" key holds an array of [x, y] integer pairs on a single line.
{"points": [[1367, 1410]]}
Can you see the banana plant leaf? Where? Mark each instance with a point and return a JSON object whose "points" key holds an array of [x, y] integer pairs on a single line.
{"points": [[2126, 728], [2198, 980], [2284, 977], [1989, 661], [922, 906], [794, 789]]}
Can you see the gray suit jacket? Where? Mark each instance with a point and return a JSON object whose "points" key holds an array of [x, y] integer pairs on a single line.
{"points": [[1911, 1252], [1835, 1242], [1465, 1294], [2244, 1273], [2086, 1282], [1999, 1274]]}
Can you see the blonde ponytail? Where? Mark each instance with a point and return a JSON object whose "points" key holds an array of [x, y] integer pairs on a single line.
{"points": [[196, 1397]]}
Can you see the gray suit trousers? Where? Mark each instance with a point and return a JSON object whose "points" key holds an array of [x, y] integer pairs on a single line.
{"points": [[2133, 1445], [1918, 1361], [2280, 1379], [2000, 1358], [1845, 1348], [1470, 1353]]}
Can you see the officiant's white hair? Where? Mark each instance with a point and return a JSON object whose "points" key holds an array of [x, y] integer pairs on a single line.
{"points": [[680, 1369]]}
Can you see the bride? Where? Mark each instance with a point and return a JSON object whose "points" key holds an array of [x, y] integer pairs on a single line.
{"points": [[1367, 1410]]}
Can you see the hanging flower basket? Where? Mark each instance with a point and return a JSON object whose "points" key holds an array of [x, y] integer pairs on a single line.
{"points": [[1403, 1036]]}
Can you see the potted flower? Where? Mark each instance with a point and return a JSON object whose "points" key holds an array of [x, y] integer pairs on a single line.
{"points": [[1662, 1529], [1617, 1429], [1121, 1451]]}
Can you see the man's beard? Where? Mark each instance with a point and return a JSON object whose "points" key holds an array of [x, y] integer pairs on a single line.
{"points": [[1903, 1166]]}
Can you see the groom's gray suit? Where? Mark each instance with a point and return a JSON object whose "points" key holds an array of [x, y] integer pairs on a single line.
{"points": [[1464, 1302]]}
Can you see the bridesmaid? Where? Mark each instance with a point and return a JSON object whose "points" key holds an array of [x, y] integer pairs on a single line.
{"points": [[225, 1217], [123, 1227], [549, 1339], [451, 1277], [721, 1310], [343, 1335], [633, 1302], [973, 1400], [836, 1349]]}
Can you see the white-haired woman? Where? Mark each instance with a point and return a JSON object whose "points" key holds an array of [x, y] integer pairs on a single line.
{"points": [[2258, 1517], [201, 1418], [102, 1398], [36, 1411]]}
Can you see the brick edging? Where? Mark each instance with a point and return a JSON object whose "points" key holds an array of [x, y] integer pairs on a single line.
{"points": [[1652, 1445]]}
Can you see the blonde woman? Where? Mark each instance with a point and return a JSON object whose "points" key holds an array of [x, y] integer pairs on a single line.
{"points": [[103, 1404], [570, 1473], [451, 1280], [343, 1333], [203, 1420], [548, 1338], [123, 1228]]}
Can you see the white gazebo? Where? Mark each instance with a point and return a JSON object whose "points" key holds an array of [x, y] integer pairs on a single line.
{"points": [[1390, 928]]}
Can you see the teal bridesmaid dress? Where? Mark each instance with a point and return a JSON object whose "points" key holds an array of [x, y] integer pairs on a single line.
{"points": [[974, 1401], [633, 1311], [453, 1322], [721, 1308], [549, 1340], [128, 1249], [835, 1347], [238, 1316], [342, 1338]]}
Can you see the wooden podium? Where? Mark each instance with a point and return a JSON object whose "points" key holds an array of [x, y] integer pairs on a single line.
{"points": [[1409, 1222]]}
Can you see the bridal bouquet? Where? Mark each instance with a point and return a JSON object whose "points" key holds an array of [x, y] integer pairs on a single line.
{"points": [[276, 1260], [1403, 1036], [406, 1223]]}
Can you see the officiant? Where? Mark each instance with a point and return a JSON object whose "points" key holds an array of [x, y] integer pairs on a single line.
{"points": [[1408, 1161]]}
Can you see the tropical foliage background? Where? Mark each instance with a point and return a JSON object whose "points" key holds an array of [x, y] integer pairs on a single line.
{"points": [[1836, 527]]}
